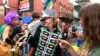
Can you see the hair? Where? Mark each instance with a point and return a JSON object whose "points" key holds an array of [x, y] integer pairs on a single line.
{"points": [[35, 15], [91, 22], [55, 23], [10, 16]]}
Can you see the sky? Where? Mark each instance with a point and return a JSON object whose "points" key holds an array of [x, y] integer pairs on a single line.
{"points": [[95, 1], [73, 2]]}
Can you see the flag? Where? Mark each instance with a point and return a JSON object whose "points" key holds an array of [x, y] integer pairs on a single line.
{"points": [[48, 13], [48, 4]]}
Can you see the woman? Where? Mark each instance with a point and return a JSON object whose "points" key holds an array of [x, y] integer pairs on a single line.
{"points": [[90, 21], [11, 22]]}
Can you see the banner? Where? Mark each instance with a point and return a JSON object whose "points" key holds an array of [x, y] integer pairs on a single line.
{"points": [[25, 5], [48, 4]]}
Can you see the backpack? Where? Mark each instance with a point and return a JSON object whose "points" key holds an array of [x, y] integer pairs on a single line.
{"points": [[2, 29]]}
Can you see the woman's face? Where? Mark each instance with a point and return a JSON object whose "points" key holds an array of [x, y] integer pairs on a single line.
{"points": [[63, 25], [15, 21]]}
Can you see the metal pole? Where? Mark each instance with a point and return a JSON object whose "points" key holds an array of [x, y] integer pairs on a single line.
{"points": [[4, 10]]}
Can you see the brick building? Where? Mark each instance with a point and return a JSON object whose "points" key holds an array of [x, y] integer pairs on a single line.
{"points": [[62, 8]]}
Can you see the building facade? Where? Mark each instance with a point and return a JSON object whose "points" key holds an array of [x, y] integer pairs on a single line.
{"points": [[61, 7]]}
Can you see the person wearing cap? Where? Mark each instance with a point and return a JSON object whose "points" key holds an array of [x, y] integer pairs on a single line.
{"points": [[43, 42], [24, 47], [65, 23], [25, 22]]}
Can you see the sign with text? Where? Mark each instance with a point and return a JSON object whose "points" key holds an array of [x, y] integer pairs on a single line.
{"points": [[25, 5]]}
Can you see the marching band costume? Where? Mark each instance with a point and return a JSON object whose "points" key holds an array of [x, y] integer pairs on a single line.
{"points": [[44, 41]]}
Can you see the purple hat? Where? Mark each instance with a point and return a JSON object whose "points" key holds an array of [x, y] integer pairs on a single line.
{"points": [[10, 16]]}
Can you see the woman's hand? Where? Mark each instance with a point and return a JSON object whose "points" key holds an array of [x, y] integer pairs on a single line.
{"points": [[64, 44], [68, 46], [78, 34]]}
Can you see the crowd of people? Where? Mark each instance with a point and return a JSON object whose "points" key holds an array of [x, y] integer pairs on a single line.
{"points": [[48, 35]]}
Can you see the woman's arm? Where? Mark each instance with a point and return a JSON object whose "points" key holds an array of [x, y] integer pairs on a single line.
{"points": [[68, 46], [5, 33]]}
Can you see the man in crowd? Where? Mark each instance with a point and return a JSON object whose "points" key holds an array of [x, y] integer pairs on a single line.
{"points": [[43, 42]]}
